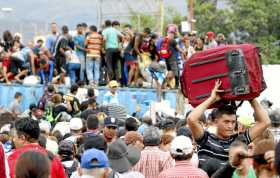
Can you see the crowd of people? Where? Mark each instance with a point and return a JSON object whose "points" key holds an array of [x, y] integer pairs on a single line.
{"points": [[71, 135], [97, 56], [60, 137]]}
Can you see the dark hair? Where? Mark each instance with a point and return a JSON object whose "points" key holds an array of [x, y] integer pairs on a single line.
{"points": [[115, 23], [6, 118], [223, 109], [7, 36], [91, 92], [84, 24], [147, 30], [181, 123], [108, 23], [81, 83], [79, 25], [93, 28], [185, 131], [131, 124], [74, 88], [32, 164], [182, 157], [29, 128], [91, 101], [97, 142], [65, 29], [92, 122], [51, 88], [42, 141], [18, 94]]}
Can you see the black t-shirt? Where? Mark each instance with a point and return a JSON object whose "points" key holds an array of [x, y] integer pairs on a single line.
{"points": [[62, 43], [172, 46], [211, 147], [58, 109], [86, 113]]}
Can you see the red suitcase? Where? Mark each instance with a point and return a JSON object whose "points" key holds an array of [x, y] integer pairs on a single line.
{"points": [[237, 66]]}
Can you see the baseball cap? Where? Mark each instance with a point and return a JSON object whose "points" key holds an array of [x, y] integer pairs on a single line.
{"points": [[76, 124], [65, 147], [181, 145], [210, 34], [94, 158], [111, 121], [113, 83], [247, 121]]}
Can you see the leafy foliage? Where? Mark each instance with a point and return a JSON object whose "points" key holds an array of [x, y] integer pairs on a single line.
{"points": [[257, 18]]}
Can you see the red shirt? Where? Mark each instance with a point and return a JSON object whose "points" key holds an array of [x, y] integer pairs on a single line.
{"points": [[57, 170], [2, 162], [183, 169]]}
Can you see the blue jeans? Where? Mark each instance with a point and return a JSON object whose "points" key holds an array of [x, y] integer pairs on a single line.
{"points": [[83, 65], [73, 69], [93, 69]]}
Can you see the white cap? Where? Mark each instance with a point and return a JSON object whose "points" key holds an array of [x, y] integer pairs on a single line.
{"points": [[181, 145], [76, 124]]}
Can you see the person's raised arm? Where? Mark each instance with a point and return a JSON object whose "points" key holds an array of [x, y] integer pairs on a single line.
{"points": [[193, 118], [262, 120]]}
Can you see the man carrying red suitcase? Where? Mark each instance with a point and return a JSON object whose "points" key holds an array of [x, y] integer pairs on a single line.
{"points": [[214, 147]]}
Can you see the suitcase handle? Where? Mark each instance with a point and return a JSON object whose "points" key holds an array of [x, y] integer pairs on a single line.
{"points": [[208, 94], [183, 86], [239, 72], [241, 90]]}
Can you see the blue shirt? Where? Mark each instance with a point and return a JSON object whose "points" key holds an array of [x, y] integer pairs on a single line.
{"points": [[50, 43], [111, 36], [79, 40]]}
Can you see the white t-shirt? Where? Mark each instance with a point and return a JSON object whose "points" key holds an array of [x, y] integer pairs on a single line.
{"points": [[130, 174]]}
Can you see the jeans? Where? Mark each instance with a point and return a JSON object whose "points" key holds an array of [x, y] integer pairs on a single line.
{"points": [[83, 65], [73, 69], [93, 69]]}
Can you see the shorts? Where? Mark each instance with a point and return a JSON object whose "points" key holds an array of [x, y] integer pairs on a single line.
{"points": [[172, 65], [130, 59]]}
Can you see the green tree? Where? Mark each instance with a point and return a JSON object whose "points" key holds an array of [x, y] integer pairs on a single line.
{"points": [[260, 18]]}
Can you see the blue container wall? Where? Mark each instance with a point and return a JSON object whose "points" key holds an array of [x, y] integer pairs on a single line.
{"points": [[128, 97]]}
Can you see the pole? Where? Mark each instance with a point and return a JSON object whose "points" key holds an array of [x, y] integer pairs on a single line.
{"points": [[191, 14], [161, 16]]}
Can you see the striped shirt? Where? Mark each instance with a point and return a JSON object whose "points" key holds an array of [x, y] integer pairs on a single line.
{"points": [[276, 133], [211, 147], [94, 45], [153, 161], [183, 169]]}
